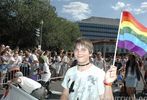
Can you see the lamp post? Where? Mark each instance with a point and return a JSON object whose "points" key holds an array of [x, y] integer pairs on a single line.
{"points": [[41, 34]]}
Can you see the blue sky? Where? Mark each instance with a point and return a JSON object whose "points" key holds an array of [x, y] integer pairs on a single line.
{"points": [[76, 10]]}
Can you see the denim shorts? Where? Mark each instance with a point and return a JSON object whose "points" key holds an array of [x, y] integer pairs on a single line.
{"points": [[131, 82]]}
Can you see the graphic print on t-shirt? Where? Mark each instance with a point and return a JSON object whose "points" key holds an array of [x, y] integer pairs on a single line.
{"points": [[83, 89]]}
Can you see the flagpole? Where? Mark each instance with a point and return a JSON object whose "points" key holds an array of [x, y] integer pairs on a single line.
{"points": [[117, 40]]}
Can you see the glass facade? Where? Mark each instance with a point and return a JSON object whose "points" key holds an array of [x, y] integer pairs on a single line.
{"points": [[102, 31]]}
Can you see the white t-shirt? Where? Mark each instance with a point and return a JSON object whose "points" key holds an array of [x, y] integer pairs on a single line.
{"points": [[46, 76], [85, 85], [65, 59], [34, 58], [28, 84]]}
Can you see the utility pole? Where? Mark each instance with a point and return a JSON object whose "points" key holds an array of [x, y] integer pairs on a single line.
{"points": [[40, 43]]}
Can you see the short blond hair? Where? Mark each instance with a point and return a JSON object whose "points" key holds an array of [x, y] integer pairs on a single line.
{"points": [[85, 42]]}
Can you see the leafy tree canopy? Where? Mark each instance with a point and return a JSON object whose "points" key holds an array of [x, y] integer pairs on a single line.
{"points": [[20, 20]]}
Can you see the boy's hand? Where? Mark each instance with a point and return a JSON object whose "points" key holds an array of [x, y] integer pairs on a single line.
{"points": [[111, 76]]}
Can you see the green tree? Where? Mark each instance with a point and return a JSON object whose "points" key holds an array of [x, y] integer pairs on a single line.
{"points": [[63, 33], [19, 20]]}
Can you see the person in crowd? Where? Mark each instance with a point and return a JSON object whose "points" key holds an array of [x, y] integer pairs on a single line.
{"points": [[5, 57], [73, 61], [17, 58], [28, 85], [44, 70], [132, 75], [25, 66], [57, 63], [65, 62], [2, 47], [99, 61], [50, 59], [45, 57], [145, 69], [34, 63], [93, 58], [118, 63], [85, 81]]}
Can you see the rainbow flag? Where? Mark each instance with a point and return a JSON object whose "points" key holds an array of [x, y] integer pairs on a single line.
{"points": [[132, 35]]}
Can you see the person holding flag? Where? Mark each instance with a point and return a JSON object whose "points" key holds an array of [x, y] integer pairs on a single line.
{"points": [[85, 81]]}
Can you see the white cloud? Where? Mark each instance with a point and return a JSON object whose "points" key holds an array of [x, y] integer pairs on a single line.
{"points": [[77, 10], [138, 11], [118, 5], [144, 5], [122, 6], [142, 9]]}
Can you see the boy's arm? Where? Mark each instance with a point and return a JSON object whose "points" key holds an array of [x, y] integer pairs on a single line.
{"points": [[108, 94], [65, 94], [109, 79]]}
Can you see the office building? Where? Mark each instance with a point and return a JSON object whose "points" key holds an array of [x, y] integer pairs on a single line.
{"points": [[103, 32]]}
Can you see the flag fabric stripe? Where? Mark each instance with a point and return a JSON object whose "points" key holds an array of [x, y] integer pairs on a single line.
{"points": [[131, 47], [131, 25], [129, 30], [132, 35], [128, 17], [136, 41]]}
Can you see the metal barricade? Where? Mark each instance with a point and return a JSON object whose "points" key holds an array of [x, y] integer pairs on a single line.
{"points": [[8, 73]]}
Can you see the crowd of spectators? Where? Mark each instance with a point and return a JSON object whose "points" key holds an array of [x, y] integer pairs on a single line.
{"points": [[46, 64]]}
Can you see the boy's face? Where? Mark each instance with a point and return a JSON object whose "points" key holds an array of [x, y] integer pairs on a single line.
{"points": [[82, 54]]}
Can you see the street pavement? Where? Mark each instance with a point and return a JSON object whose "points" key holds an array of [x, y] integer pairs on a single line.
{"points": [[56, 89]]}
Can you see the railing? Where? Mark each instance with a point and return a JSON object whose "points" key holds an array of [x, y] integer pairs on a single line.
{"points": [[7, 73]]}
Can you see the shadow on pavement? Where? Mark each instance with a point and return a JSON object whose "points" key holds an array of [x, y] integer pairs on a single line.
{"points": [[53, 97]]}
